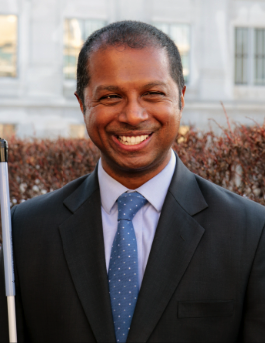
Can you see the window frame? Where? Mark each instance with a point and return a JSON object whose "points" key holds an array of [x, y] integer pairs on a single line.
{"points": [[16, 77], [255, 56], [170, 23], [69, 81], [251, 56]]}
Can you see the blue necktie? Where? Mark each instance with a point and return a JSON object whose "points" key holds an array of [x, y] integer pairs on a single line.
{"points": [[123, 266]]}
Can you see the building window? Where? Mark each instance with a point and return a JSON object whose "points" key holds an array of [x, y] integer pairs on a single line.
{"points": [[7, 131], [77, 131], [76, 32], [8, 46], [180, 34], [183, 130], [259, 57], [249, 56], [241, 56]]}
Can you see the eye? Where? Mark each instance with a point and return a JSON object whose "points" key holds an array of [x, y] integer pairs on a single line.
{"points": [[153, 94], [110, 96]]}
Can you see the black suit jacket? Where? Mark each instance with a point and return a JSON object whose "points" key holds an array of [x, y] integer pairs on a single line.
{"points": [[204, 281]]}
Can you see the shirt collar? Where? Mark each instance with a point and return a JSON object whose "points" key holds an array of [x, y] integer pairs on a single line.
{"points": [[154, 190]]}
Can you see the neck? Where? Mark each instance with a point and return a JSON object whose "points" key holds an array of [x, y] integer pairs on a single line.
{"points": [[132, 179]]}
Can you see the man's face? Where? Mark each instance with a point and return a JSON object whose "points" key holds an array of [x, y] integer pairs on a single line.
{"points": [[132, 109]]}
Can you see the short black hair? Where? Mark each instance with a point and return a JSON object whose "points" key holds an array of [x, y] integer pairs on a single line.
{"points": [[135, 35]]}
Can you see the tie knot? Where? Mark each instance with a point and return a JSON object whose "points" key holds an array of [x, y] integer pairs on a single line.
{"points": [[129, 204]]}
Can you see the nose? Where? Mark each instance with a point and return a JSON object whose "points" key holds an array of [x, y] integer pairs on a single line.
{"points": [[133, 112]]}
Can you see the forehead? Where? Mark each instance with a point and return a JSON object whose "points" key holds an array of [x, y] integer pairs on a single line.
{"points": [[124, 64]]}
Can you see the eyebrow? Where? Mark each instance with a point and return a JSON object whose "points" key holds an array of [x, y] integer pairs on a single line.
{"points": [[155, 83], [117, 88], [107, 88]]}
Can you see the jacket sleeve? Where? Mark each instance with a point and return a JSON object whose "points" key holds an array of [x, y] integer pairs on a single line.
{"points": [[254, 314]]}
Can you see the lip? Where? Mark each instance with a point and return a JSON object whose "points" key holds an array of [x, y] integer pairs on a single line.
{"points": [[133, 133], [134, 147]]}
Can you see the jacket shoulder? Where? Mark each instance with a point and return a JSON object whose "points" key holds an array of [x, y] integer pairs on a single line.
{"points": [[230, 204], [49, 202]]}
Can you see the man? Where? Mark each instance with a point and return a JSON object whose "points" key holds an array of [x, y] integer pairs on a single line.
{"points": [[141, 249]]}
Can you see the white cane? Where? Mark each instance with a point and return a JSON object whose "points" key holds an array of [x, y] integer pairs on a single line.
{"points": [[7, 241]]}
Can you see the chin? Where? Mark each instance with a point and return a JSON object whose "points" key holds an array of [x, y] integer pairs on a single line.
{"points": [[135, 165]]}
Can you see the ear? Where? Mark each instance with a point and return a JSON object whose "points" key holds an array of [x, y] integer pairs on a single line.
{"points": [[182, 98], [80, 103]]}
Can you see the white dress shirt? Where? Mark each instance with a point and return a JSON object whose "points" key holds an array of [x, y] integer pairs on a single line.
{"points": [[145, 220]]}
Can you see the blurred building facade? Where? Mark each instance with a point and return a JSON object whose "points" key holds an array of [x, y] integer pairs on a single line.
{"points": [[222, 44]]}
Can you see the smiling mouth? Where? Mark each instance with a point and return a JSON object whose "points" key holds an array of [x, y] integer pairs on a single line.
{"points": [[132, 140]]}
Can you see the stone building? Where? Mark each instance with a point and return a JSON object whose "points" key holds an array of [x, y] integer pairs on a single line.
{"points": [[222, 43]]}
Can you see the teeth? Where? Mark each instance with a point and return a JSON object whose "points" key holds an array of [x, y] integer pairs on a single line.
{"points": [[132, 140]]}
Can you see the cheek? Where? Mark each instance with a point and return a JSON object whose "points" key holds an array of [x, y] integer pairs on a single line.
{"points": [[96, 124], [168, 116], [91, 123], [171, 125]]}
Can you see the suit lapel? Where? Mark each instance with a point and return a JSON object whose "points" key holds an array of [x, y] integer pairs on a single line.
{"points": [[175, 242], [83, 246]]}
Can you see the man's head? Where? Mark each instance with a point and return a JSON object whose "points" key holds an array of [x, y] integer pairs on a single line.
{"points": [[132, 105], [135, 35]]}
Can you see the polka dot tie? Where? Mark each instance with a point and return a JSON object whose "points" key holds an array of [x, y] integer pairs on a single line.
{"points": [[123, 266]]}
